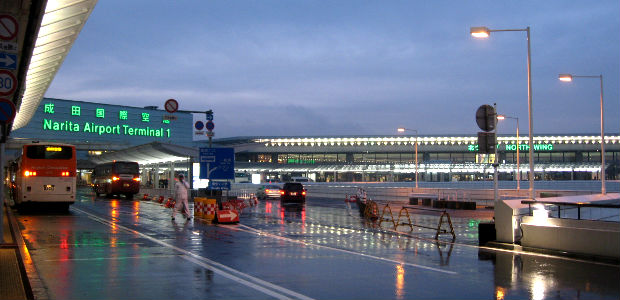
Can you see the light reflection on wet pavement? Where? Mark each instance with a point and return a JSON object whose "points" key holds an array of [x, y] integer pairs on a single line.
{"points": [[115, 248]]}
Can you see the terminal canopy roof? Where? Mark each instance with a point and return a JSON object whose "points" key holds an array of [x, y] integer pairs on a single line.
{"points": [[152, 153]]}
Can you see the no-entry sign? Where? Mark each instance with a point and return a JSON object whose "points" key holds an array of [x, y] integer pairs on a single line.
{"points": [[8, 27], [171, 105]]}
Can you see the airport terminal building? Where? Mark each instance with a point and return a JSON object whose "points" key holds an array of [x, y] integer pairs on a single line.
{"points": [[165, 144]]}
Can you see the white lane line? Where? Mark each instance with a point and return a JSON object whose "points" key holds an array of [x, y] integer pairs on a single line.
{"points": [[263, 233], [111, 258], [230, 273]]}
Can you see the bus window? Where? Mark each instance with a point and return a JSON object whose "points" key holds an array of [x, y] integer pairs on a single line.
{"points": [[49, 152]]}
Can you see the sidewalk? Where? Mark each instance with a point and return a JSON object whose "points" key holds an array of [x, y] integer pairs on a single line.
{"points": [[13, 280]]}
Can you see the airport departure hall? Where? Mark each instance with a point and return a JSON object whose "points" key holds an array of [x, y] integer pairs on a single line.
{"points": [[165, 144]]}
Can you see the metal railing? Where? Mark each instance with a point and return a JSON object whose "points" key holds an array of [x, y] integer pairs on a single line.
{"points": [[580, 211]]}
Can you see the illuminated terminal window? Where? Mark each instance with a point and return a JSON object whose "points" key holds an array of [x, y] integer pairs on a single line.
{"points": [[264, 158]]}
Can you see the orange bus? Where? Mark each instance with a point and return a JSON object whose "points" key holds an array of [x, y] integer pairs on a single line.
{"points": [[45, 173]]}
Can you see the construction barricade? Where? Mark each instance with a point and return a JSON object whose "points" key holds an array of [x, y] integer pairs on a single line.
{"points": [[444, 218], [170, 203], [209, 209], [199, 203]]}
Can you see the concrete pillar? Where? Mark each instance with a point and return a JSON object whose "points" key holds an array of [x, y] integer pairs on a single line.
{"points": [[156, 183], [171, 176]]}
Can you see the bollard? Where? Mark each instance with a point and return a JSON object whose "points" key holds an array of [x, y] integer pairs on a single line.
{"points": [[199, 203], [161, 199], [209, 209]]}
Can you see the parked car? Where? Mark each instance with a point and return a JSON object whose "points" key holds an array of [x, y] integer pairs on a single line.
{"points": [[268, 191], [293, 192]]}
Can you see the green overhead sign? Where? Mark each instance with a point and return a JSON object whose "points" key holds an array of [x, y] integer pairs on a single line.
{"points": [[100, 128], [513, 147]]}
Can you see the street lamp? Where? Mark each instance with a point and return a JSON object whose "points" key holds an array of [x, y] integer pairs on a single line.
{"points": [[402, 129], [569, 78], [502, 117], [484, 32]]}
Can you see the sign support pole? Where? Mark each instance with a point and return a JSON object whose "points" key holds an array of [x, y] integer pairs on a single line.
{"points": [[2, 193], [495, 160]]}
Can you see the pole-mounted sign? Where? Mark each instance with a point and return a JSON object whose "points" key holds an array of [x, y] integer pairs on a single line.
{"points": [[171, 105], [485, 117], [486, 120]]}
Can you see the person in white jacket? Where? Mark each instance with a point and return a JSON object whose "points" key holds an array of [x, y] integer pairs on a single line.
{"points": [[180, 194]]}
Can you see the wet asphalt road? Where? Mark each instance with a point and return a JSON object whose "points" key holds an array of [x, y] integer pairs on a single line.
{"points": [[124, 249]]}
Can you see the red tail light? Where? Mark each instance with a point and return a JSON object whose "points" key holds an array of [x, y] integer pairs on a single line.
{"points": [[137, 179], [65, 173], [267, 190], [114, 178], [303, 192], [282, 192], [30, 173]]}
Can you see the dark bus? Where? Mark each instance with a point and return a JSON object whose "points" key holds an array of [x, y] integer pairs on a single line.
{"points": [[117, 178]]}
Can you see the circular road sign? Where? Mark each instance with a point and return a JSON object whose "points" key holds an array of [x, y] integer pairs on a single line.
{"points": [[485, 117], [8, 83], [199, 125], [171, 105], [210, 125], [8, 27], [7, 110]]}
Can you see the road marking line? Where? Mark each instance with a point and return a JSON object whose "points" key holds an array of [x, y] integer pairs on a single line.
{"points": [[228, 272], [263, 233], [111, 258]]}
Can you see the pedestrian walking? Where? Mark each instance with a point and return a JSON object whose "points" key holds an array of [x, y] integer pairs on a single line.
{"points": [[180, 194]]}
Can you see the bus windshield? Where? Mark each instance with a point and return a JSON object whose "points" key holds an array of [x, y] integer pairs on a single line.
{"points": [[127, 168], [49, 152]]}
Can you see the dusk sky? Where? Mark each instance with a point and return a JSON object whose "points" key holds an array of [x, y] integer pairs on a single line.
{"points": [[301, 68]]}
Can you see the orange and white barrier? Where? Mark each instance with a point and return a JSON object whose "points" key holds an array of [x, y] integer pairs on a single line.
{"points": [[199, 203], [209, 209]]}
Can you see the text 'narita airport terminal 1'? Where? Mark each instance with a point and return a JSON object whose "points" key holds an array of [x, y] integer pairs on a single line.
{"points": [[104, 129]]}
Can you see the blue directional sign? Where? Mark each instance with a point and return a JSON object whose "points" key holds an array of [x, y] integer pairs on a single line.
{"points": [[8, 61], [219, 185], [217, 163]]}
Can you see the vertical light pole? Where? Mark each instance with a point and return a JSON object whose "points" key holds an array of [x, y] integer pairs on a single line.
{"points": [[568, 78], [484, 32], [402, 129], [502, 117]]}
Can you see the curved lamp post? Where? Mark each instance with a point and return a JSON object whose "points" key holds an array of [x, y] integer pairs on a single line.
{"points": [[569, 78], [402, 129], [484, 32]]}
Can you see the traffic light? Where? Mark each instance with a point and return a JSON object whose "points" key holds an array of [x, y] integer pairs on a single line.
{"points": [[486, 142]]}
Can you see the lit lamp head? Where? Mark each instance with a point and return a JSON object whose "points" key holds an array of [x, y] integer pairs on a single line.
{"points": [[500, 117], [401, 129], [565, 77], [479, 32]]}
